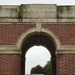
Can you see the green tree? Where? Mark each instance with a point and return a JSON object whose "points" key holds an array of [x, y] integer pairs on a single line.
{"points": [[37, 70], [47, 68]]}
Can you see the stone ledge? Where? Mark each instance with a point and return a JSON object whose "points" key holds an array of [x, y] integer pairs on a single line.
{"points": [[9, 49], [65, 52], [66, 49]]}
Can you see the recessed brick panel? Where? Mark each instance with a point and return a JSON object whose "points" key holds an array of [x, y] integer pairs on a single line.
{"points": [[10, 64], [9, 34], [65, 32], [66, 64]]}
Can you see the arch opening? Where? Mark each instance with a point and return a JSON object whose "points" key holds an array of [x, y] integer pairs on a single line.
{"points": [[36, 55], [39, 39]]}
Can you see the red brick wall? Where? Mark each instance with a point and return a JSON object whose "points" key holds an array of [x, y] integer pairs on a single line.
{"points": [[65, 32], [9, 34], [66, 64], [10, 64]]}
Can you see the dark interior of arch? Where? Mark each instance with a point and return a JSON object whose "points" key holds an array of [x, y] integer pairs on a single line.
{"points": [[38, 40]]}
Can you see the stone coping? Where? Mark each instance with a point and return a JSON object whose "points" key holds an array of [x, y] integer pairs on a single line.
{"points": [[32, 12]]}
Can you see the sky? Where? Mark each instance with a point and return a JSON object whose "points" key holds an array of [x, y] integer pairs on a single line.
{"points": [[36, 55], [18, 2]]}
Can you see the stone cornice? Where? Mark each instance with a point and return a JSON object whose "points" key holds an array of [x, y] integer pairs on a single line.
{"points": [[25, 13], [23, 21]]}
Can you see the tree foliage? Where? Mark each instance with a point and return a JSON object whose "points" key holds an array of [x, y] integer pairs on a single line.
{"points": [[47, 68], [37, 70]]}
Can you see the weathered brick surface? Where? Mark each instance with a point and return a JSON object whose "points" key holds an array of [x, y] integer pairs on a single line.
{"points": [[9, 34], [65, 32], [66, 64], [10, 64]]}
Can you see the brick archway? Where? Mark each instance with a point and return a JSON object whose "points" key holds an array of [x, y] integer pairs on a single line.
{"points": [[18, 24], [39, 38]]}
